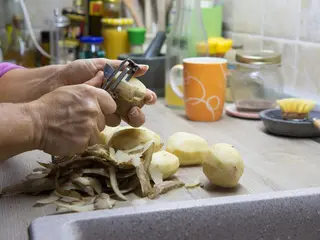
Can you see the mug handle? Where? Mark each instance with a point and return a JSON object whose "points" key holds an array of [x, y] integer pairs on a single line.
{"points": [[173, 84]]}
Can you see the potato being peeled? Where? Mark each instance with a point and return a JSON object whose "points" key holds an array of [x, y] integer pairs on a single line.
{"points": [[136, 82], [129, 94], [224, 165], [189, 148]]}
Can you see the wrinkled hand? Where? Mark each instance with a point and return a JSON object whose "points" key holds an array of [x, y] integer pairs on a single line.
{"points": [[70, 118], [80, 71]]}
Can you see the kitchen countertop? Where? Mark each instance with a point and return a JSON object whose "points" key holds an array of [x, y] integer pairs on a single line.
{"points": [[271, 164]]}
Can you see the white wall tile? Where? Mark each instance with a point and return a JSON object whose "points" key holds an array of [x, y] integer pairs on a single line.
{"points": [[308, 68], [227, 14], [247, 16], [281, 18], [40, 10], [310, 20], [288, 53], [252, 43]]}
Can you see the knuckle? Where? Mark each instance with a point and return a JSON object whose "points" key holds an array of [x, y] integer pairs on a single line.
{"points": [[86, 89], [90, 124], [91, 109]]}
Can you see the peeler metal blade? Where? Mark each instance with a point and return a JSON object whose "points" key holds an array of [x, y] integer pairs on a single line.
{"points": [[112, 78]]}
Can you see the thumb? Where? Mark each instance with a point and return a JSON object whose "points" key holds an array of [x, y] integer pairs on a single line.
{"points": [[97, 80]]}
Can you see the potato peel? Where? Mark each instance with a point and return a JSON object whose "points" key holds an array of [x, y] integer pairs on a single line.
{"points": [[164, 187], [90, 180], [114, 184]]}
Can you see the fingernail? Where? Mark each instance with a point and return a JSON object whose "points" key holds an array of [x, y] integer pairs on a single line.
{"points": [[149, 98], [146, 67], [134, 113], [100, 73]]}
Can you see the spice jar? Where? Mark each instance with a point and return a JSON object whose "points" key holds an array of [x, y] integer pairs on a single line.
{"points": [[136, 39], [115, 36], [256, 83], [91, 47], [111, 8]]}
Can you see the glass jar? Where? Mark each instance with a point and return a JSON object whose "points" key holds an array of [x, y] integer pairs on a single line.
{"points": [[58, 44], [232, 64], [111, 8], [91, 47], [20, 49], [77, 18], [115, 36], [136, 39], [257, 82], [71, 48]]}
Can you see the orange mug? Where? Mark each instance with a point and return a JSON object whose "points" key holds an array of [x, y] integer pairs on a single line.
{"points": [[204, 87]]}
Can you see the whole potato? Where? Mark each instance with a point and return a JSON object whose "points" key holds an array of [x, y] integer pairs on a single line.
{"points": [[164, 162], [189, 148], [224, 165]]}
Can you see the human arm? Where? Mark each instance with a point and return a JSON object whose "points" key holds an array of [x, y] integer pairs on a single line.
{"points": [[17, 130], [23, 85], [63, 122]]}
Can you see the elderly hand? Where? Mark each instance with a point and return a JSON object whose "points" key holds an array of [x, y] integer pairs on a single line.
{"points": [[24, 85], [80, 71], [69, 119]]}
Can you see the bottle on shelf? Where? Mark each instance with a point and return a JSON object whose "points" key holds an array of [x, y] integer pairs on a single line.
{"points": [[187, 34]]}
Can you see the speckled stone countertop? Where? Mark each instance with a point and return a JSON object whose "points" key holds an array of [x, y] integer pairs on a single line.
{"points": [[271, 164]]}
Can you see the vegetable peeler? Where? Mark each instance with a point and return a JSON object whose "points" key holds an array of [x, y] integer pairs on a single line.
{"points": [[112, 78]]}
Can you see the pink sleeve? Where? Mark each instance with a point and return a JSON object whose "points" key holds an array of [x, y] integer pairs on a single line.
{"points": [[6, 67]]}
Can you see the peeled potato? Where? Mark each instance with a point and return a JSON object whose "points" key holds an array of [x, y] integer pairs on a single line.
{"points": [[224, 166], [126, 138], [163, 165], [189, 148], [137, 83]]}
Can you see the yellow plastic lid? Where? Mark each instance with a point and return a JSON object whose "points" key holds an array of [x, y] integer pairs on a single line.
{"points": [[224, 46], [117, 21], [215, 45]]}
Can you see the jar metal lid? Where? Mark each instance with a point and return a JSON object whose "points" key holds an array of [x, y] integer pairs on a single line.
{"points": [[117, 21], [112, 1], [91, 39], [264, 57]]}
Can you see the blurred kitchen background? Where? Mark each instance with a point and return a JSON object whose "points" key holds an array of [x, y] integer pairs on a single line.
{"points": [[289, 27]]}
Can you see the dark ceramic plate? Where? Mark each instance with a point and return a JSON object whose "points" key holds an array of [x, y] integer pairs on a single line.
{"points": [[276, 125]]}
